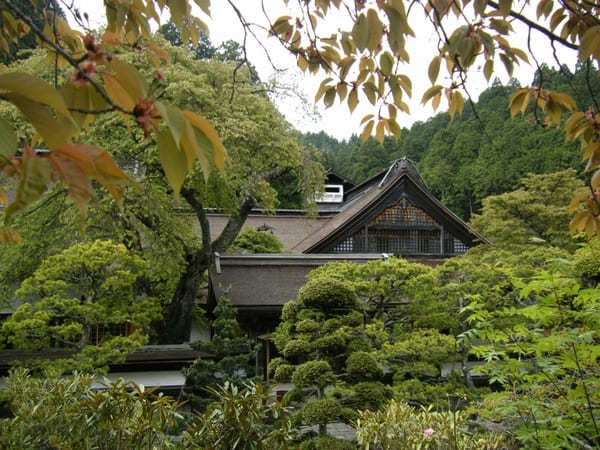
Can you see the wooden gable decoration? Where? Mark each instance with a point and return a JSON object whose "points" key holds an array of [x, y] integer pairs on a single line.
{"points": [[398, 216]]}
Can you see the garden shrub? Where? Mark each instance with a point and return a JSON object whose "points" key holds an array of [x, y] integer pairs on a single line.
{"points": [[322, 411], [326, 294], [313, 373], [362, 366]]}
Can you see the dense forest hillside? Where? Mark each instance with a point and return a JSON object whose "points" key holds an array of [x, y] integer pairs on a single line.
{"points": [[481, 153]]}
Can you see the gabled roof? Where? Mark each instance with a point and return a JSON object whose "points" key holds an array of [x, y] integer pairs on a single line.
{"points": [[372, 194]]}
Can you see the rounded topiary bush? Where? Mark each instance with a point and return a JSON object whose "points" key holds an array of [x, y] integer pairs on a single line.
{"points": [[327, 442], [363, 366], [288, 312], [297, 348], [284, 373], [326, 294], [353, 319], [332, 344], [313, 373], [307, 326], [369, 395], [331, 325], [321, 411], [274, 364]]}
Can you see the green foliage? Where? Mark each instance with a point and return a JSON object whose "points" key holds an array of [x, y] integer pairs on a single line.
{"points": [[361, 366], [245, 418], [371, 395], [74, 295], [327, 442], [68, 412], [313, 373], [321, 412], [398, 426], [230, 358], [537, 212], [544, 353], [250, 240], [326, 294]]}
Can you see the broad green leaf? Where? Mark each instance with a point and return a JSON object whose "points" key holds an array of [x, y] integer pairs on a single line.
{"points": [[204, 6], [380, 131], [173, 118], [386, 62], [173, 160], [434, 68], [8, 141], [211, 136], [367, 131], [375, 30], [117, 93], [34, 176], [488, 69], [360, 32], [55, 131], [129, 79], [429, 93], [353, 99], [179, 11], [329, 97], [35, 89]]}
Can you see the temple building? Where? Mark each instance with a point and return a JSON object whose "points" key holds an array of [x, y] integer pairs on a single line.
{"points": [[390, 214]]}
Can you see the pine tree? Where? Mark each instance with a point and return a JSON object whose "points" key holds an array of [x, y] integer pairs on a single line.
{"points": [[232, 357]]}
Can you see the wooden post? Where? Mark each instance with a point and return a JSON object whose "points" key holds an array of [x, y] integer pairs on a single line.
{"points": [[442, 238], [268, 342]]}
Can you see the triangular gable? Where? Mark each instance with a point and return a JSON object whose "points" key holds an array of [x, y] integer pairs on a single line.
{"points": [[400, 217]]}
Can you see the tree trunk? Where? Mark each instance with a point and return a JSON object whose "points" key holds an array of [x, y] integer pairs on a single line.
{"points": [[177, 323]]}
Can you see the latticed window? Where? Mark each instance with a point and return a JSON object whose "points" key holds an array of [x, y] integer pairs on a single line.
{"points": [[405, 214], [402, 229]]}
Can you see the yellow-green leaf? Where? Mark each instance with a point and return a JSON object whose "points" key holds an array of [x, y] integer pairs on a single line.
{"points": [[34, 176], [375, 30], [353, 99], [54, 131], [35, 89], [429, 93], [434, 68], [210, 134], [360, 32], [367, 131], [386, 63], [488, 69], [8, 141], [129, 79], [380, 131], [117, 94], [173, 118], [173, 160]]}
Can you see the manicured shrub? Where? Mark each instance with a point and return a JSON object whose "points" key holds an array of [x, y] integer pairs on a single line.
{"points": [[353, 319], [297, 348], [284, 373], [313, 373], [369, 395], [363, 366], [327, 442], [326, 294], [333, 343], [288, 312], [307, 326], [331, 325], [323, 411]]}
